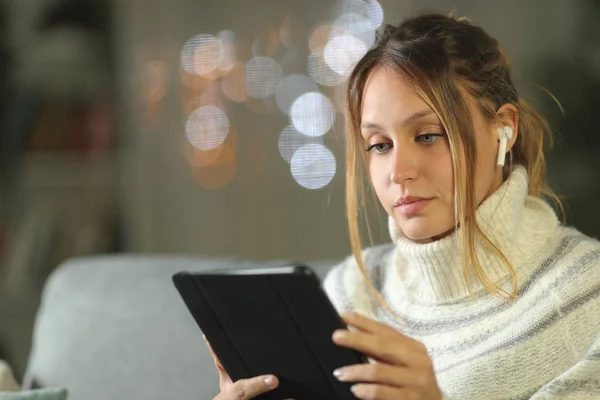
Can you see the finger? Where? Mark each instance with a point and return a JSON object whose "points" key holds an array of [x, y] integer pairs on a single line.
{"points": [[224, 378], [367, 324], [369, 391], [246, 389], [214, 356], [385, 374], [383, 348], [370, 325]]}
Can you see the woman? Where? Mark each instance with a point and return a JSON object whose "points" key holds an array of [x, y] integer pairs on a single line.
{"points": [[483, 294]]}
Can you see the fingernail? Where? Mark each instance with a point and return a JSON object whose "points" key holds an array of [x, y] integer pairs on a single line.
{"points": [[269, 381], [339, 335], [204, 337], [354, 389], [339, 373]]}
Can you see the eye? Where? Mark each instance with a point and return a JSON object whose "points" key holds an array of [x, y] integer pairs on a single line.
{"points": [[380, 148], [428, 138]]}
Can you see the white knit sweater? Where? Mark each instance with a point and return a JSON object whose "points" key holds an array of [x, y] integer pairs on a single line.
{"points": [[543, 345]]}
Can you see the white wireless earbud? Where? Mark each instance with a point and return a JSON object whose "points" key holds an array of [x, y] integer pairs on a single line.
{"points": [[504, 135]]}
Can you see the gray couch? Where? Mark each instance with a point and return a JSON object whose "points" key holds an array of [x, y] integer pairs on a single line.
{"points": [[114, 327]]}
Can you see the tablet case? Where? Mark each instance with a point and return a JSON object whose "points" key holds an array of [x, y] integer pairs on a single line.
{"points": [[272, 322]]}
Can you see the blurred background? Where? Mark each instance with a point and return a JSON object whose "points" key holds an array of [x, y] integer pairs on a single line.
{"points": [[214, 127]]}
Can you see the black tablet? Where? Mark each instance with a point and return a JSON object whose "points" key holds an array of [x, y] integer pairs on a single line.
{"points": [[271, 321]]}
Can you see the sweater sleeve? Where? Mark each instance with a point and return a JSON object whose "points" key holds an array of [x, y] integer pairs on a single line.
{"points": [[345, 285], [579, 292], [333, 285], [581, 381]]}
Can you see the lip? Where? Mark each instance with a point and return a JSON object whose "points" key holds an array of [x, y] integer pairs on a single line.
{"points": [[411, 205]]}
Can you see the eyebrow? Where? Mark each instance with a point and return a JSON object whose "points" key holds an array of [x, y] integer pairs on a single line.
{"points": [[408, 120]]}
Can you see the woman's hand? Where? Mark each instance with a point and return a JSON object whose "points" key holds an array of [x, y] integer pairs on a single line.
{"points": [[403, 369], [244, 389]]}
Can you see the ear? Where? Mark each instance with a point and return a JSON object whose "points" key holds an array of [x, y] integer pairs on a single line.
{"points": [[509, 116]]}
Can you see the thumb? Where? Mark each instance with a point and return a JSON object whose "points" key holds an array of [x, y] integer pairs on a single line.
{"points": [[224, 378]]}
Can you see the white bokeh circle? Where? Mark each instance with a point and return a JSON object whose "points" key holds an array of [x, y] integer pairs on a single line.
{"points": [[207, 127], [320, 72], [312, 114], [355, 25], [313, 166], [290, 140], [342, 52], [352, 6], [292, 87], [202, 54], [375, 14], [263, 75]]}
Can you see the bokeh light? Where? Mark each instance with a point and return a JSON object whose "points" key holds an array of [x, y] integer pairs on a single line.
{"points": [[213, 157], [203, 158], [214, 75], [292, 87], [375, 14], [290, 140], [313, 166], [191, 100], [154, 80], [193, 81], [312, 114], [285, 32], [320, 35], [353, 7], [215, 168], [211, 95], [216, 176], [343, 52], [234, 84], [355, 25], [208, 55], [320, 72], [228, 61], [202, 54], [263, 75], [207, 127]]}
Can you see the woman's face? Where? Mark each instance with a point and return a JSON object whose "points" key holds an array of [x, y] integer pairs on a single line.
{"points": [[409, 159]]}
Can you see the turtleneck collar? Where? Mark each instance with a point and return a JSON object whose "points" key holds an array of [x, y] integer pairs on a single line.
{"points": [[519, 224]]}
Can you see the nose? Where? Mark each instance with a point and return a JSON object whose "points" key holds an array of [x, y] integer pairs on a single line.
{"points": [[404, 166]]}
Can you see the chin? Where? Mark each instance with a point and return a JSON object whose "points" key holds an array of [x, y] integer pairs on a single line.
{"points": [[420, 237], [416, 231], [421, 231]]}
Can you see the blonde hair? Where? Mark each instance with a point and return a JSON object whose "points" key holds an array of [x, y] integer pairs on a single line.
{"points": [[444, 58]]}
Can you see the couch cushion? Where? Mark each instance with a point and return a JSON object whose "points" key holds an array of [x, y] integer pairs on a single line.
{"points": [[114, 327]]}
